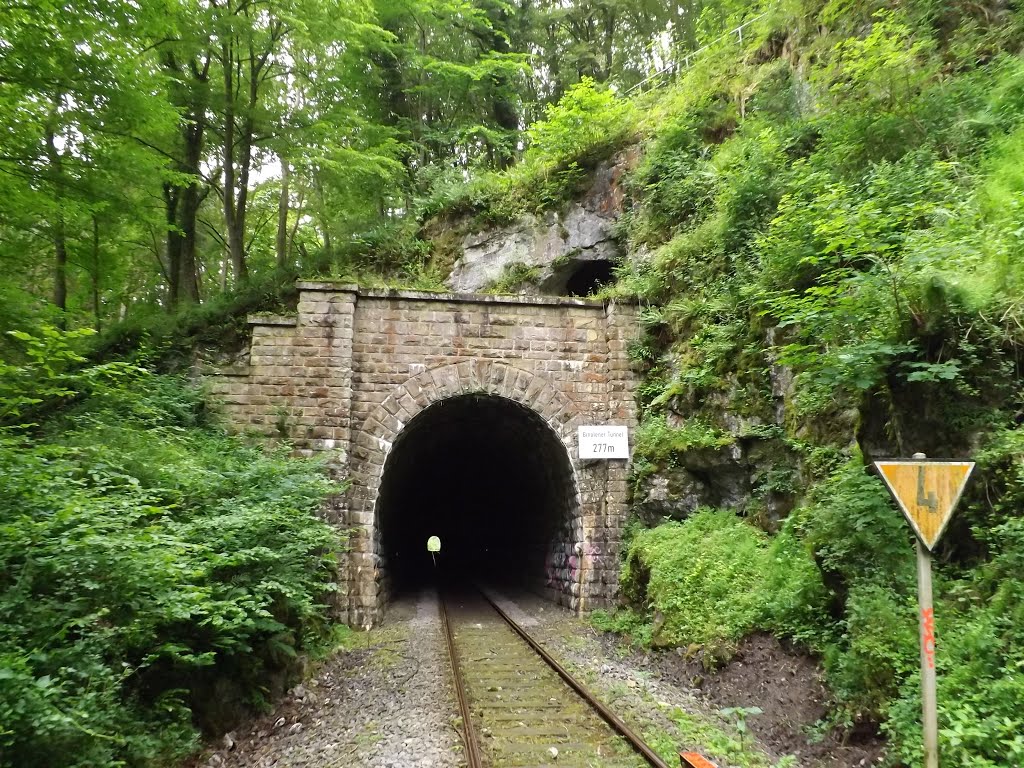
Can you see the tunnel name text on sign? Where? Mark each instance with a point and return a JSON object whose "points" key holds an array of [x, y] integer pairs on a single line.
{"points": [[604, 442]]}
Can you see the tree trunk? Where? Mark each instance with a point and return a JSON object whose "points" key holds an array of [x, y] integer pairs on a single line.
{"points": [[239, 140], [174, 245], [189, 281], [98, 320], [182, 201], [60, 248], [182, 210], [295, 222], [282, 219], [60, 271], [192, 198], [245, 146], [608, 43], [326, 254], [236, 246], [503, 109]]}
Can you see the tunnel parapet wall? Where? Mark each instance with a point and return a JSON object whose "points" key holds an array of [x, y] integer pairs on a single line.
{"points": [[345, 375]]}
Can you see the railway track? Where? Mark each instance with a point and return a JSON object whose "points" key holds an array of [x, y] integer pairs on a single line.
{"points": [[519, 707]]}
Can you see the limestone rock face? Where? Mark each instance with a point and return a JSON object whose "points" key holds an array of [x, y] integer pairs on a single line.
{"points": [[706, 478], [728, 477], [551, 247], [486, 255]]}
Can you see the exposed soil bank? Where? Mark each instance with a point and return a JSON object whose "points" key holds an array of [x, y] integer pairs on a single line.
{"points": [[786, 685]]}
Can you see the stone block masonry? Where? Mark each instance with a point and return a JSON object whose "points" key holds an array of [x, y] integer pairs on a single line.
{"points": [[346, 374]]}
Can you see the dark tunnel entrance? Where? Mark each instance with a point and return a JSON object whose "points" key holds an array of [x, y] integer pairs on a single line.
{"points": [[491, 479], [590, 277]]}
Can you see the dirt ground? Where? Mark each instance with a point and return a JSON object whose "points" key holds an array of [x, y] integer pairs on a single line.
{"points": [[786, 685]]}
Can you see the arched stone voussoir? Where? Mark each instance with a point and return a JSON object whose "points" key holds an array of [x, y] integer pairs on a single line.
{"points": [[419, 392]]}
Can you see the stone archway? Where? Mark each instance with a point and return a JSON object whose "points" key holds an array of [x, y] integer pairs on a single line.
{"points": [[352, 367], [569, 558]]}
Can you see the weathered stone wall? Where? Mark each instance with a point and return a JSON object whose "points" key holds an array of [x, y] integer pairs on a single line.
{"points": [[354, 367]]}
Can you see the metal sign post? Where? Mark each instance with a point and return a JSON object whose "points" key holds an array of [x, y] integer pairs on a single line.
{"points": [[929, 688], [926, 492]]}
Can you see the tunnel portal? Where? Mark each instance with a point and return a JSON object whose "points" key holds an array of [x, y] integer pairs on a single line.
{"points": [[491, 479], [451, 415]]}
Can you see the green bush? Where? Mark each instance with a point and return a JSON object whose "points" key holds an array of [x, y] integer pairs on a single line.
{"points": [[839, 578], [588, 121], [854, 531], [169, 340], [147, 559], [587, 125], [698, 578], [980, 663], [876, 651], [713, 578], [794, 598], [659, 443], [625, 621]]}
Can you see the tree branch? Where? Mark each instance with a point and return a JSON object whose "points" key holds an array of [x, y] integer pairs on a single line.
{"points": [[212, 230]]}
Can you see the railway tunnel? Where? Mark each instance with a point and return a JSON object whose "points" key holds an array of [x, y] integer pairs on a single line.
{"points": [[454, 416], [491, 479]]}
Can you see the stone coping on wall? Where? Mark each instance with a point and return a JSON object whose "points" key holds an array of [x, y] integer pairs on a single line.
{"points": [[268, 319], [473, 298]]}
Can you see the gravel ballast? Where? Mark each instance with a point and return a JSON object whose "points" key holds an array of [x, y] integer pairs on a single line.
{"points": [[389, 705], [388, 701]]}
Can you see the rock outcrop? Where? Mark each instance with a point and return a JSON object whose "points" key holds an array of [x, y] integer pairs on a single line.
{"points": [[547, 250], [744, 476]]}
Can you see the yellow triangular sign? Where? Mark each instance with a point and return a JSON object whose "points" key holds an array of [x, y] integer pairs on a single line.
{"points": [[927, 492]]}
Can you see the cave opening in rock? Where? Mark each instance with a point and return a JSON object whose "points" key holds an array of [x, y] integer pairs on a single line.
{"points": [[589, 278], [491, 479]]}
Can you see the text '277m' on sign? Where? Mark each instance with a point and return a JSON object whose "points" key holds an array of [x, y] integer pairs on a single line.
{"points": [[604, 442]]}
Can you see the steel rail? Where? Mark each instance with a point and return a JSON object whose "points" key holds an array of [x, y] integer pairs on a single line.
{"points": [[607, 715], [468, 732]]}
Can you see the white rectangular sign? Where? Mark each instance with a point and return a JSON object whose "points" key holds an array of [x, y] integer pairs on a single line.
{"points": [[605, 442]]}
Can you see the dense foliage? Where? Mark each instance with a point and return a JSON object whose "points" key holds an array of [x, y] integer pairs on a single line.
{"points": [[707, 582], [826, 238], [161, 152], [823, 231], [155, 573]]}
